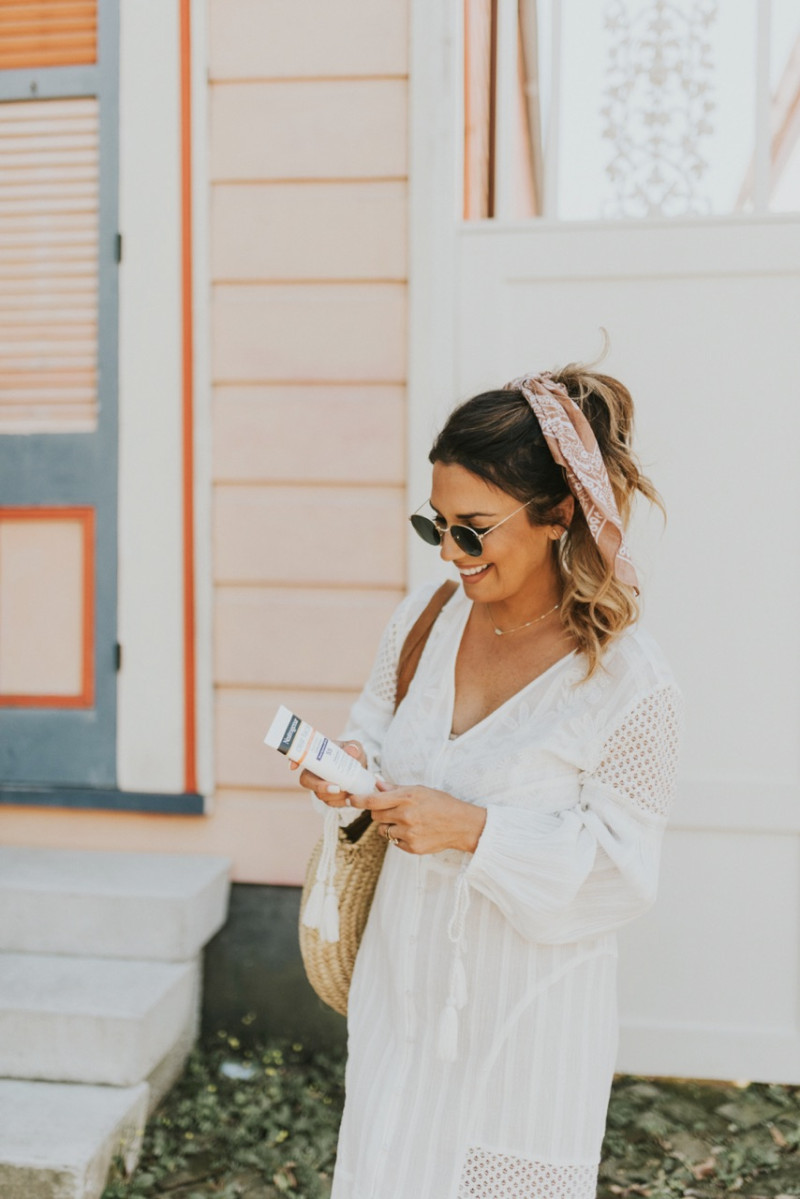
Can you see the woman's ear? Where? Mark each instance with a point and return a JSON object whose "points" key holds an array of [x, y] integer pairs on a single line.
{"points": [[561, 517]]}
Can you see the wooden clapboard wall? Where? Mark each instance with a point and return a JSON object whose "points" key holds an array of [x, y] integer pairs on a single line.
{"points": [[308, 257]]}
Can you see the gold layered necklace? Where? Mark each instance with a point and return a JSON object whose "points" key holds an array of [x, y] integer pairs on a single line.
{"points": [[526, 625]]}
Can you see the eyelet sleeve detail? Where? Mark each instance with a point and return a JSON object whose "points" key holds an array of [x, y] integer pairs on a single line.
{"points": [[640, 757], [504, 1176], [591, 867]]}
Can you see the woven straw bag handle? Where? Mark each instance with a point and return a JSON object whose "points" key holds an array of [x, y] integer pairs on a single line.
{"points": [[407, 664]]}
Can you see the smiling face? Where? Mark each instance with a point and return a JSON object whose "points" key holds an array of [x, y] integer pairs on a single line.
{"points": [[517, 560]]}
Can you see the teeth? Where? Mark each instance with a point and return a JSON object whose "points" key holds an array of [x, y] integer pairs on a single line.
{"points": [[476, 570]]}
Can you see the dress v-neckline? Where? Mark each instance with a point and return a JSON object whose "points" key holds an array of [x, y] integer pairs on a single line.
{"points": [[458, 633]]}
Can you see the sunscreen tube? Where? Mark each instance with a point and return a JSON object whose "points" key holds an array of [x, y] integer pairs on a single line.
{"points": [[303, 744]]}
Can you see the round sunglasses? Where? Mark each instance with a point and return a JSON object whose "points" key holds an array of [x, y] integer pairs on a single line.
{"points": [[467, 539]]}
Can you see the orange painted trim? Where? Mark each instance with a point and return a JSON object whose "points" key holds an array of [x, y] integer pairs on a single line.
{"points": [[187, 284], [85, 698]]}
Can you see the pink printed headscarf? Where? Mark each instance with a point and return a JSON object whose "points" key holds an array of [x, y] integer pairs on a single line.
{"points": [[572, 443]]}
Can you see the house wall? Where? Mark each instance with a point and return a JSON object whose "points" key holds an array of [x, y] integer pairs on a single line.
{"points": [[308, 261], [307, 153]]}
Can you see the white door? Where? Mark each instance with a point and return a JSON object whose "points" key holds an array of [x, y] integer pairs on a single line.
{"points": [[702, 313]]}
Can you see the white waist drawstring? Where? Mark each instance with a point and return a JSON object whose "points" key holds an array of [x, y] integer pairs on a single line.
{"points": [[447, 1047], [322, 910]]}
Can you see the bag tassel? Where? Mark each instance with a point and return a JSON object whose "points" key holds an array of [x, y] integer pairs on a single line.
{"points": [[312, 914], [329, 928], [322, 910]]}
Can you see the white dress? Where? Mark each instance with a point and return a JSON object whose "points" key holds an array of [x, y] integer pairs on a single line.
{"points": [[516, 940]]}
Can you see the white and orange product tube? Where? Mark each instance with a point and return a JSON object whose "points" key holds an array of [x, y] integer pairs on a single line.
{"points": [[309, 748]]}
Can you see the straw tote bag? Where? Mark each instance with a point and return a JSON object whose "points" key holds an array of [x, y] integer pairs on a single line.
{"points": [[360, 850]]}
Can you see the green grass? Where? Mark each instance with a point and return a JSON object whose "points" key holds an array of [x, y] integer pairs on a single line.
{"points": [[261, 1123]]}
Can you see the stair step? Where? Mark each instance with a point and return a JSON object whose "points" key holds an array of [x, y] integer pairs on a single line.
{"points": [[58, 1140], [162, 907], [91, 1020]]}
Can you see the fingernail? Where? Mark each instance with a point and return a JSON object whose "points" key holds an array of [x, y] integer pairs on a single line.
{"points": [[333, 789]]}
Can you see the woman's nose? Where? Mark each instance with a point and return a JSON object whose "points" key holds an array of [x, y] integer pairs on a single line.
{"points": [[449, 550]]}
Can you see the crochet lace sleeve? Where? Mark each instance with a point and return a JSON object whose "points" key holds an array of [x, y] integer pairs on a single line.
{"points": [[593, 867], [639, 759], [372, 712]]}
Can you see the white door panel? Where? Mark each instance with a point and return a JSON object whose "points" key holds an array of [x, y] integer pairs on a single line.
{"points": [[702, 319]]}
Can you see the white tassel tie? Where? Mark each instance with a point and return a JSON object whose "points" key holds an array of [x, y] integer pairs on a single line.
{"points": [[322, 909], [447, 1046]]}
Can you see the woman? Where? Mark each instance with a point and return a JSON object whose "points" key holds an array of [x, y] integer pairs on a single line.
{"points": [[531, 767]]}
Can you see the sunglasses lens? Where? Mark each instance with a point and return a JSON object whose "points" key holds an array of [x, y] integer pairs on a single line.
{"points": [[466, 540], [426, 529]]}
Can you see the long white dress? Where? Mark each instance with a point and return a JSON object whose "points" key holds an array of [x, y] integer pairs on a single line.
{"points": [[503, 960]]}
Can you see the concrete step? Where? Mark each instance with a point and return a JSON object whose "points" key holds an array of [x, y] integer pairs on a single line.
{"points": [[92, 1020], [57, 1140], [162, 907]]}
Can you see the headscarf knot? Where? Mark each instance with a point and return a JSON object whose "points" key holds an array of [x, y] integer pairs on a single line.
{"points": [[571, 441]]}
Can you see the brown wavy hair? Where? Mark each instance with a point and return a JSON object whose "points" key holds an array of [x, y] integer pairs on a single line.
{"points": [[496, 436]]}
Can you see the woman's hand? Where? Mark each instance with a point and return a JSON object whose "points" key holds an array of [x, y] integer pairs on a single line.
{"points": [[422, 820], [329, 793]]}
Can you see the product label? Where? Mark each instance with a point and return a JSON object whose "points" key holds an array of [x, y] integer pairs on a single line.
{"points": [[320, 754], [289, 736]]}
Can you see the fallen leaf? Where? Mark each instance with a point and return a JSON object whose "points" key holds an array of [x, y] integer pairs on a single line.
{"points": [[689, 1148], [748, 1111], [778, 1137], [705, 1169]]}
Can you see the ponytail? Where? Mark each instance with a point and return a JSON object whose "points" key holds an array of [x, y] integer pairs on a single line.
{"points": [[596, 606]]}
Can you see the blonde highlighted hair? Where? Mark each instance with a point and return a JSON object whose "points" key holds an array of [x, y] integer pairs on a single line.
{"points": [[496, 436]]}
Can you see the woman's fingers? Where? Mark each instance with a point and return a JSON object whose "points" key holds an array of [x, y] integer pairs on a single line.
{"points": [[329, 793], [356, 750], [311, 781], [387, 797]]}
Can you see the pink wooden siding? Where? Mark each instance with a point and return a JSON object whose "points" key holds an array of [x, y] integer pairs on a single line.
{"points": [[255, 433], [308, 251], [280, 39]]}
